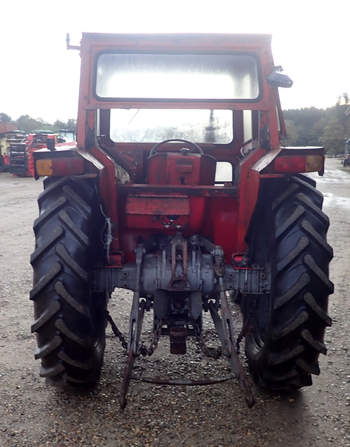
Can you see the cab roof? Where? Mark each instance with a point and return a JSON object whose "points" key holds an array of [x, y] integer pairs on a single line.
{"points": [[205, 42]]}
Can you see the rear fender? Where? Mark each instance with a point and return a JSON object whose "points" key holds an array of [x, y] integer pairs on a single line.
{"points": [[68, 160], [274, 163], [64, 160], [291, 160]]}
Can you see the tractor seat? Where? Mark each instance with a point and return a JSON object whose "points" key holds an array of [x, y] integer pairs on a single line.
{"points": [[181, 168]]}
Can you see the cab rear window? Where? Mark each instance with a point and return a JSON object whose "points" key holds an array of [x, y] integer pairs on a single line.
{"points": [[152, 125], [177, 76]]}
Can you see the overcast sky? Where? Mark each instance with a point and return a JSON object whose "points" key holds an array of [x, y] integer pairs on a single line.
{"points": [[39, 77]]}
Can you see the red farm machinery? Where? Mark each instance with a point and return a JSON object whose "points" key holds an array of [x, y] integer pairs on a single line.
{"points": [[20, 151], [179, 190], [8, 136]]}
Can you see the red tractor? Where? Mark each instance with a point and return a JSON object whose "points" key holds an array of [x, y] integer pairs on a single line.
{"points": [[179, 190], [20, 152]]}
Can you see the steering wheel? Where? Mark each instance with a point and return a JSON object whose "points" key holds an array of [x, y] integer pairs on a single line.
{"points": [[193, 147]]}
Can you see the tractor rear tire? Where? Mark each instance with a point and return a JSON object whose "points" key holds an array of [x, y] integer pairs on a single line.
{"points": [[287, 327], [70, 320]]}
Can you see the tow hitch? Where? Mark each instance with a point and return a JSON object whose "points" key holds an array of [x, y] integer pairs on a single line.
{"points": [[179, 321]]}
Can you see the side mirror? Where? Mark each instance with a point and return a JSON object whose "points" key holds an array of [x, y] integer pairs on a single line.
{"points": [[277, 79]]}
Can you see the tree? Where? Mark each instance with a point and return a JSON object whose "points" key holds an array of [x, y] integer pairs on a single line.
{"points": [[292, 133], [4, 118], [333, 137], [58, 125], [303, 125], [28, 124], [317, 127], [71, 125]]}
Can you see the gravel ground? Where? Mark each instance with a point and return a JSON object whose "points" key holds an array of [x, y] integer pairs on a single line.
{"points": [[33, 414]]}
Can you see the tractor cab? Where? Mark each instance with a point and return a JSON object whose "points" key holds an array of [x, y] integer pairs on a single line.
{"points": [[179, 116], [184, 89]]}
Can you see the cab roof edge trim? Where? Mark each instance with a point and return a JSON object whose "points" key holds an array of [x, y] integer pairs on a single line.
{"points": [[185, 39]]}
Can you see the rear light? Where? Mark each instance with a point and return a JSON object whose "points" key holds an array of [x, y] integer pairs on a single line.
{"points": [[314, 163], [60, 166], [43, 167], [298, 163]]}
